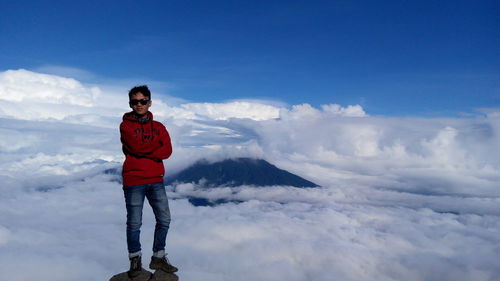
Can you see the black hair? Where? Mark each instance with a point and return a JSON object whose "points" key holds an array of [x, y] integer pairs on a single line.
{"points": [[143, 89]]}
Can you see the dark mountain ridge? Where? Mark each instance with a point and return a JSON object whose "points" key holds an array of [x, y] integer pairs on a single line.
{"points": [[236, 172]]}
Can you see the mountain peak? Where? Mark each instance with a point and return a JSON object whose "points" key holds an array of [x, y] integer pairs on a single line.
{"points": [[238, 171]]}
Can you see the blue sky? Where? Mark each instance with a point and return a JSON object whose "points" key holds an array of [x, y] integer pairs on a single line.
{"points": [[419, 58]]}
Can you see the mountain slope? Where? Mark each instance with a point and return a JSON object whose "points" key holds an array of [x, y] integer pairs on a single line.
{"points": [[238, 171]]}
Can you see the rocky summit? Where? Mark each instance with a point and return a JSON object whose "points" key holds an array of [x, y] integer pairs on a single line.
{"points": [[145, 275]]}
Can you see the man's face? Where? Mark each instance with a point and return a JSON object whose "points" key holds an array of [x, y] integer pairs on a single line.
{"points": [[136, 103]]}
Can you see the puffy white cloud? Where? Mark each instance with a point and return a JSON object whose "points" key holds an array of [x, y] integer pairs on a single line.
{"points": [[37, 96], [402, 198], [306, 111], [351, 110], [27, 86], [289, 233], [235, 109]]}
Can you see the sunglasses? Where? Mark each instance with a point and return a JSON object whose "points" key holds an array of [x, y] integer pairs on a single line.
{"points": [[136, 102]]}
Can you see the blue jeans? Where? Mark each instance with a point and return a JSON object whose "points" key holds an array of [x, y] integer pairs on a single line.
{"points": [[134, 199]]}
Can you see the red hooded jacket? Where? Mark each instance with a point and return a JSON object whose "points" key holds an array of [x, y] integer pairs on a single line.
{"points": [[145, 144]]}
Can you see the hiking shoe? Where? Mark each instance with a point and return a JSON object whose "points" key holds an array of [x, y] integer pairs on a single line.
{"points": [[163, 264], [135, 267]]}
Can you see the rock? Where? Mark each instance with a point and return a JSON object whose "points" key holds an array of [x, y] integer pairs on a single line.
{"points": [[160, 275], [143, 276], [146, 276]]}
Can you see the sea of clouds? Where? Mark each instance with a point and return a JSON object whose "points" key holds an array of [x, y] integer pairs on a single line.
{"points": [[401, 198]]}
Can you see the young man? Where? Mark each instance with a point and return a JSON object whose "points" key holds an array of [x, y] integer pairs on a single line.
{"points": [[145, 144]]}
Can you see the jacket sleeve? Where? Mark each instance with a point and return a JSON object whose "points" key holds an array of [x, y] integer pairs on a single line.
{"points": [[135, 146], [165, 150]]}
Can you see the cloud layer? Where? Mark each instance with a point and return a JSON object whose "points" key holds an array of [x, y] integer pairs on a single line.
{"points": [[402, 198]]}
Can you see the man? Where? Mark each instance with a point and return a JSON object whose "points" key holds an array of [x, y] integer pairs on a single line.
{"points": [[145, 144]]}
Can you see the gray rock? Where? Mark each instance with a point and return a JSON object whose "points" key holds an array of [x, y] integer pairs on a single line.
{"points": [[146, 276], [160, 275], [143, 276]]}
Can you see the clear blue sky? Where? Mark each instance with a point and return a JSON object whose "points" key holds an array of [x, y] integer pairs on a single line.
{"points": [[423, 58]]}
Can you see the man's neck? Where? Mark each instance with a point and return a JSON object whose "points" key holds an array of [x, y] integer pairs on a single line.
{"points": [[142, 118]]}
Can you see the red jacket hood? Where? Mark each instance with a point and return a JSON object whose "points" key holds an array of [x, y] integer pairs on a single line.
{"points": [[130, 116]]}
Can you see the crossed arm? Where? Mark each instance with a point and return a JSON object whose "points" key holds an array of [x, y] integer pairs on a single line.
{"points": [[156, 150]]}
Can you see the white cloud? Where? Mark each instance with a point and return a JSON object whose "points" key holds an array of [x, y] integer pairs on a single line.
{"points": [[402, 198], [66, 71], [26, 86], [36, 96], [235, 109], [351, 110]]}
